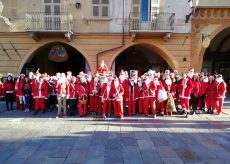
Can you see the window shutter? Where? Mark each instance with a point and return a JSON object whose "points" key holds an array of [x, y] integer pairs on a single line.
{"points": [[105, 2], [47, 1], [105, 11], [95, 1], [96, 11]]}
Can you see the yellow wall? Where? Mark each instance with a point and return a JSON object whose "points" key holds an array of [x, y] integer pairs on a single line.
{"points": [[173, 50]]}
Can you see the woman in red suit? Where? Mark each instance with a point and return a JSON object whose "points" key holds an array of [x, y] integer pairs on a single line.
{"points": [[210, 95], [220, 91], [9, 92]]}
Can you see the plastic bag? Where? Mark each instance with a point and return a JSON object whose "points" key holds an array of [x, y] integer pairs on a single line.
{"points": [[162, 95]]}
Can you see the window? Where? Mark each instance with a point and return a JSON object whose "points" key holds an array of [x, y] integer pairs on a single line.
{"points": [[100, 8]]}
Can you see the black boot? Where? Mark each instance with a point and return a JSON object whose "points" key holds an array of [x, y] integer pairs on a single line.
{"points": [[11, 106], [7, 106]]}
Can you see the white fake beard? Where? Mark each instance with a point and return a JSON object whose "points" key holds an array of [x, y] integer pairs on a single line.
{"points": [[89, 79], [147, 81], [132, 83], [102, 65], [168, 81], [219, 80], [122, 77], [190, 74], [139, 83], [116, 83]]}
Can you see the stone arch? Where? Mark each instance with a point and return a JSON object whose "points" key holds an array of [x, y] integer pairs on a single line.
{"points": [[33, 51], [158, 49], [212, 36]]}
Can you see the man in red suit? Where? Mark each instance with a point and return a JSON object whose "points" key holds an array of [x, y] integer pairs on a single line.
{"points": [[149, 88], [141, 95], [220, 93], [40, 93], [118, 92], [185, 89], [107, 95], [132, 91], [210, 95], [94, 88], [202, 91], [72, 95], [124, 82]]}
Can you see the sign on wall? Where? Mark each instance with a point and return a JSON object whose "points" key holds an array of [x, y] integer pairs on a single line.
{"points": [[58, 53]]}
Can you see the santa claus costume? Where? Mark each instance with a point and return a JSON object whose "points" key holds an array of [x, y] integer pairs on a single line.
{"points": [[107, 96], [102, 68], [186, 86], [94, 89], [149, 88], [16, 91], [195, 94], [220, 92], [40, 93], [82, 97], [9, 91], [124, 82], [72, 95], [202, 91], [132, 91], [118, 92], [52, 93], [1, 90], [210, 95]]}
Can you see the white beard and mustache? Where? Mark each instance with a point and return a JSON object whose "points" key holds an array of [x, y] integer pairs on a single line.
{"points": [[219, 80], [168, 81], [122, 78], [116, 83], [190, 74]]}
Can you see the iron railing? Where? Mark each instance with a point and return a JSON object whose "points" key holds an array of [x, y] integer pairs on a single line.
{"points": [[48, 22], [152, 22]]}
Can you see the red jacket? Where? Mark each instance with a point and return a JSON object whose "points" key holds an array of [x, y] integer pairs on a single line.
{"points": [[210, 91], [203, 88], [220, 90], [171, 88], [107, 92], [124, 84], [185, 88], [196, 88], [150, 90], [9, 87], [61, 89], [82, 91], [118, 91], [132, 91], [93, 87], [40, 90], [72, 91], [2, 91]]}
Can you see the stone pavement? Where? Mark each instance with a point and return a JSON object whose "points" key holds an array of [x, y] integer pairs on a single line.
{"points": [[25, 138]]}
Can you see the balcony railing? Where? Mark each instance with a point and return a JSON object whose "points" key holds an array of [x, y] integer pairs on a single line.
{"points": [[48, 22], [152, 22]]}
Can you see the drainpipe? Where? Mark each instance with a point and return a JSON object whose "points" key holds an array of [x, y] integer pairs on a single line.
{"points": [[123, 36]]}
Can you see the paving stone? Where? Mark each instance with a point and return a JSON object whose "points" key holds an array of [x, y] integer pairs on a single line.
{"points": [[54, 161], [127, 141], [150, 156], [145, 144], [172, 161], [77, 156]]}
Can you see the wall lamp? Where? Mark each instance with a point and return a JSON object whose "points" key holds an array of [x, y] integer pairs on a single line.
{"points": [[78, 5]]}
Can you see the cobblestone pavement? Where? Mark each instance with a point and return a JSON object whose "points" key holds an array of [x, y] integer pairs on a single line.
{"points": [[25, 138]]}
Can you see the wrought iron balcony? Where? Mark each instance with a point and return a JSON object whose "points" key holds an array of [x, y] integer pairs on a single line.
{"points": [[48, 22], [152, 22]]}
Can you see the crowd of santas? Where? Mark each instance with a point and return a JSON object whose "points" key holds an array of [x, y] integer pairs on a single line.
{"points": [[105, 94]]}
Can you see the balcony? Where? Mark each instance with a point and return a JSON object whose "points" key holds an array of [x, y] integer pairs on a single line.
{"points": [[48, 22], [152, 22]]}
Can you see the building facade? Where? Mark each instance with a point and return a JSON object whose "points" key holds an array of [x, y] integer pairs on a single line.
{"points": [[126, 34]]}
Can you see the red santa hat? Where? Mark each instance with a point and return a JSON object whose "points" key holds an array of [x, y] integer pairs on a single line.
{"points": [[211, 77], [69, 73], [191, 70]]}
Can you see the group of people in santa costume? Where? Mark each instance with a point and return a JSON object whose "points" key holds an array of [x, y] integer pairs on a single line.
{"points": [[105, 94]]}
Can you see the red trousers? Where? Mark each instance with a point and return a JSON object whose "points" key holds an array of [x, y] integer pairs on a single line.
{"points": [[219, 104], [118, 108], [210, 103], [132, 106], [39, 104], [107, 106], [82, 109], [93, 103], [160, 106], [124, 104], [140, 105], [185, 103], [149, 101], [100, 105]]}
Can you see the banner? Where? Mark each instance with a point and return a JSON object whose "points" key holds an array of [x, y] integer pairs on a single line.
{"points": [[58, 53]]}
